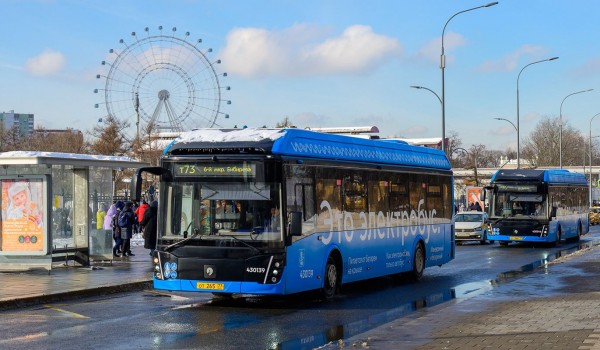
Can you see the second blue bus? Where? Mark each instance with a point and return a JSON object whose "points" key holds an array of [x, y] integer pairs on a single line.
{"points": [[537, 206]]}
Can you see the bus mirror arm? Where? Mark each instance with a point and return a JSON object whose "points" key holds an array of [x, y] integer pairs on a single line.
{"points": [[295, 225], [137, 180], [553, 212]]}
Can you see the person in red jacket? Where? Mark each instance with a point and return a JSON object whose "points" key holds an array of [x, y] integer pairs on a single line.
{"points": [[139, 212]]}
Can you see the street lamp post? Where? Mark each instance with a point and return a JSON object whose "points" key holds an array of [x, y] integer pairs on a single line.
{"points": [[443, 65], [428, 89], [518, 128], [436, 95], [561, 124], [511, 123], [590, 153]]}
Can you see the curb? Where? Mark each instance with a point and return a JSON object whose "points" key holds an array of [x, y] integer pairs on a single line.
{"points": [[74, 294]]}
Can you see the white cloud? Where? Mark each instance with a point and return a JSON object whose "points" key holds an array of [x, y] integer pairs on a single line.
{"points": [[303, 50], [511, 61], [433, 49], [47, 63]]}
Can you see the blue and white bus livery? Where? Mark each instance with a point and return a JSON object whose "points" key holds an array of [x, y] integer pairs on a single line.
{"points": [[537, 206], [281, 211]]}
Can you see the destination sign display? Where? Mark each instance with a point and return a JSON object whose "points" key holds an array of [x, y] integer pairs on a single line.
{"points": [[516, 188], [215, 170]]}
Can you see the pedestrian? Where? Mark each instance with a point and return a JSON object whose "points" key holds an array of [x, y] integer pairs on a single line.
{"points": [[139, 213], [136, 223], [126, 222], [149, 226], [113, 214], [100, 215], [477, 207]]}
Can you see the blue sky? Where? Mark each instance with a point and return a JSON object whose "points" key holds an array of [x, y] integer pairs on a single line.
{"points": [[323, 63]]}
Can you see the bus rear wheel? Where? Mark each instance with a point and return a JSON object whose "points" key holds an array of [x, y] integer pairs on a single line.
{"points": [[330, 285], [418, 263], [579, 233]]}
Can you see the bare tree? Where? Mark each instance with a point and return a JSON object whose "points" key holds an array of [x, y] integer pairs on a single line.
{"points": [[67, 141], [110, 138], [542, 147], [454, 143], [147, 147], [12, 140], [285, 123]]}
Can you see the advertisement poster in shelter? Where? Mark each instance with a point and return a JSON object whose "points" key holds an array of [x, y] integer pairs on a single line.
{"points": [[22, 216], [474, 196]]}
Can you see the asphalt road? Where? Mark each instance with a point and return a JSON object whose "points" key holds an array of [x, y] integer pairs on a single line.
{"points": [[153, 319]]}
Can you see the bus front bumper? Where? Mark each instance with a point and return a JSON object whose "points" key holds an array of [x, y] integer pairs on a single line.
{"points": [[506, 238], [219, 286]]}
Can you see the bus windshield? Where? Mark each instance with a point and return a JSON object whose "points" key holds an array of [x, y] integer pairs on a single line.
{"points": [[509, 204], [241, 211]]}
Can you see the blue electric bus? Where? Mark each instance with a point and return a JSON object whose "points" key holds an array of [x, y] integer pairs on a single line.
{"points": [[539, 206], [281, 211]]}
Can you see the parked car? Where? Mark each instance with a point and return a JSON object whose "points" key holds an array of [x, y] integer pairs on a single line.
{"points": [[471, 226], [594, 215]]}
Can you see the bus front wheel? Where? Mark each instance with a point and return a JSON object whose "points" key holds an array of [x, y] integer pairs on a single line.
{"points": [[331, 279], [418, 263], [558, 237]]}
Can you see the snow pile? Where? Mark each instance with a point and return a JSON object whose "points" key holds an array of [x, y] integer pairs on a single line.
{"points": [[231, 135]]}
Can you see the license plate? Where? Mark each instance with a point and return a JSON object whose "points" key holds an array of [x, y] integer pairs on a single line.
{"points": [[211, 286], [515, 238]]}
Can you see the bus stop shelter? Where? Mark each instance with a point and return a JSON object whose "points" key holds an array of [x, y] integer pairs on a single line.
{"points": [[51, 207]]}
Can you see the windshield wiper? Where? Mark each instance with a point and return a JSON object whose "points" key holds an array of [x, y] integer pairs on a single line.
{"points": [[243, 242], [185, 239]]}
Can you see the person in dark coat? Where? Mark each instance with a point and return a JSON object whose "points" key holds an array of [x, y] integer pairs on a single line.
{"points": [[149, 225], [127, 230], [118, 206]]}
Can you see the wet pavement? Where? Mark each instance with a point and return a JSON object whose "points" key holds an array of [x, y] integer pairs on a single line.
{"points": [[556, 306], [67, 281]]}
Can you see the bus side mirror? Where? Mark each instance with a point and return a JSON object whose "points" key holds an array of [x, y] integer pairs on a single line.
{"points": [[553, 212], [296, 223]]}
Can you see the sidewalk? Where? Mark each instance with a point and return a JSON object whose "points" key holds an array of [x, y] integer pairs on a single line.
{"points": [[556, 307], [18, 289]]}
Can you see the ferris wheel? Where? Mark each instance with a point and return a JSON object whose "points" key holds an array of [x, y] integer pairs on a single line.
{"points": [[163, 81]]}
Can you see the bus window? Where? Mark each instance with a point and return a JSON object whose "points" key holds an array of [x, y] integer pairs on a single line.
{"points": [[399, 200]]}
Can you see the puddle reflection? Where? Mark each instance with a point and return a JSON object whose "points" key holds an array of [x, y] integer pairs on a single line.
{"points": [[466, 290]]}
